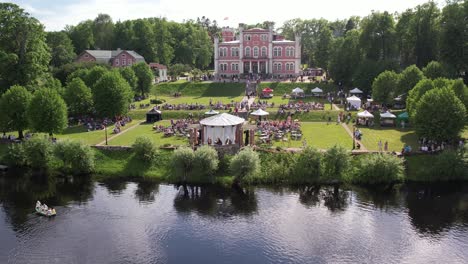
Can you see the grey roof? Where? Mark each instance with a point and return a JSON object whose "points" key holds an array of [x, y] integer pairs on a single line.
{"points": [[105, 56]]}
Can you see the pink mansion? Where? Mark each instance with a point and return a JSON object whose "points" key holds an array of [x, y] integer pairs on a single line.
{"points": [[256, 51]]}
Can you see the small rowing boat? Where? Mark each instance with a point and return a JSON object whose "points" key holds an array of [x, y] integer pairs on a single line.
{"points": [[42, 209]]}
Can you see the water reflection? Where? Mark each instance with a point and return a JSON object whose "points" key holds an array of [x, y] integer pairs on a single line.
{"points": [[146, 191], [216, 201], [333, 198]]}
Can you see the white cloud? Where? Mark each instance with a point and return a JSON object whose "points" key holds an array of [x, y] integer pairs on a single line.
{"points": [[246, 11]]}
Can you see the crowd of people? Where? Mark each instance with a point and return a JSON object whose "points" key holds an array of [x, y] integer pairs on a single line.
{"points": [[269, 130], [177, 127], [300, 107]]}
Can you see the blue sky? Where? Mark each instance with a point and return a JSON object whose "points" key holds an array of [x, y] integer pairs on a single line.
{"points": [[55, 14]]}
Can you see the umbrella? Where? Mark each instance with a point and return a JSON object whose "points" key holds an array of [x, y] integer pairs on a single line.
{"points": [[259, 112], [212, 112], [267, 90]]}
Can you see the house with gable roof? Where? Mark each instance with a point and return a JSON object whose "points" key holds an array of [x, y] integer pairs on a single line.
{"points": [[116, 58]]}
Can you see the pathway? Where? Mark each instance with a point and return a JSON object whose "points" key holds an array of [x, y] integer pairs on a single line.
{"points": [[250, 100], [138, 122], [335, 107], [350, 133]]}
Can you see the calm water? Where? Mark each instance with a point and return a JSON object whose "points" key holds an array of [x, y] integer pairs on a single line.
{"points": [[128, 222]]}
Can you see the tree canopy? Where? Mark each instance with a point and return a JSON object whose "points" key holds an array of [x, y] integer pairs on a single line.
{"points": [[144, 76], [47, 112], [79, 98], [384, 87], [13, 106], [112, 95]]}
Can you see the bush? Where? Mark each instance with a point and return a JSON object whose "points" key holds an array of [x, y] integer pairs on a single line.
{"points": [[16, 155], [144, 149], [157, 101], [307, 168], [77, 158], [378, 168], [183, 163], [38, 152], [278, 170], [336, 164], [206, 162], [449, 165], [244, 164]]}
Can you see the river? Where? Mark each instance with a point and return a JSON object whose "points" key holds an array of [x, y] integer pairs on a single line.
{"points": [[144, 222]]}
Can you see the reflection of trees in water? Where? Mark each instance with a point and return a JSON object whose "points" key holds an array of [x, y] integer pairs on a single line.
{"points": [[146, 191], [18, 194], [332, 197], [379, 197], [436, 208], [115, 186], [216, 201]]}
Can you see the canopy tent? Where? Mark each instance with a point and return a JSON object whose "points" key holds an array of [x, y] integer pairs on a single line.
{"points": [[317, 90], [211, 112], [365, 114], [222, 127], [387, 119], [403, 116], [355, 91], [153, 115], [387, 115], [259, 112], [297, 90], [267, 90], [354, 101]]}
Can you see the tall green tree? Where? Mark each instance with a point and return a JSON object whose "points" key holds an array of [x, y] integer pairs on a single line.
{"points": [[103, 32], [145, 77], [416, 93], [434, 70], [93, 76], [439, 115], [47, 112], [144, 41], [82, 36], [164, 50], [79, 98], [378, 37], [24, 55], [129, 75], [61, 48], [322, 54], [384, 87], [112, 95], [409, 77], [346, 58], [13, 106]]}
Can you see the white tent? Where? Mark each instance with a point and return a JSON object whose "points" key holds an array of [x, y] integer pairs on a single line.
{"points": [[365, 114], [354, 101], [212, 112], [387, 115], [222, 126], [355, 91], [317, 90], [297, 90], [259, 112]]}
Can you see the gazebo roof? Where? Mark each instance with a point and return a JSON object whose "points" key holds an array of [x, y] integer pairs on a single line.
{"points": [[365, 114], [223, 119], [353, 98], [259, 112], [267, 90], [211, 112], [297, 90], [154, 111], [387, 115], [317, 90], [355, 90]]}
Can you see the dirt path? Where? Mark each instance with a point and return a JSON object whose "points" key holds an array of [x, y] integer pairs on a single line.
{"points": [[138, 122], [335, 107], [350, 133]]}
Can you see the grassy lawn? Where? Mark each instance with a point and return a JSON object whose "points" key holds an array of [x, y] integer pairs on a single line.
{"points": [[321, 136], [80, 133], [159, 139], [200, 99], [396, 138]]}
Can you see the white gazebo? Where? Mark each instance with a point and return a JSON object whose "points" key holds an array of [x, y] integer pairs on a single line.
{"points": [[365, 114], [365, 118], [387, 119], [211, 112], [354, 101], [355, 91], [259, 112], [222, 129], [298, 92]]}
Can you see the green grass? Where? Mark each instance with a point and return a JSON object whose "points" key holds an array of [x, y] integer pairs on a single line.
{"points": [[320, 135], [159, 139], [201, 89], [200, 100], [396, 138], [80, 133]]}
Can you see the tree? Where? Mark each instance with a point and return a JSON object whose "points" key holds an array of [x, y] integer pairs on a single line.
{"points": [[145, 77], [129, 75], [112, 95], [47, 112], [461, 91], [380, 168], [95, 73], [13, 106], [384, 86], [79, 98], [378, 37], [434, 70], [144, 149], [439, 115], [61, 48], [308, 166], [206, 162], [416, 93], [409, 77], [82, 36], [24, 55], [336, 164], [322, 53], [103, 32], [177, 69], [347, 56], [183, 162], [144, 42], [244, 164]]}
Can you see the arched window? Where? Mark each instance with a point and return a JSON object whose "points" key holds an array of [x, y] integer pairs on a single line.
{"points": [[234, 52], [277, 67], [223, 66], [264, 37], [255, 51], [247, 37], [247, 52], [264, 51], [222, 52], [290, 52], [277, 52]]}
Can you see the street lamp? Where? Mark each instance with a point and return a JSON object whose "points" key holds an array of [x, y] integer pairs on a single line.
{"points": [[105, 130]]}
